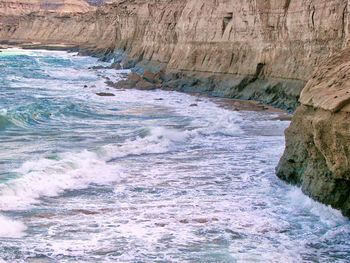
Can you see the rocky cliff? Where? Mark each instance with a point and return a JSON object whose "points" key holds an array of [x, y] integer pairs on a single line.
{"points": [[22, 7], [317, 154], [256, 49]]}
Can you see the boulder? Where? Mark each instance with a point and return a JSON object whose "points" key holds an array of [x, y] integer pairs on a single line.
{"points": [[145, 85], [116, 66], [151, 77], [133, 78], [105, 94]]}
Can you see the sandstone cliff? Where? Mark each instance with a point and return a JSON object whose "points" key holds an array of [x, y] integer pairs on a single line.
{"points": [[317, 154], [256, 49], [22, 7], [264, 50]]}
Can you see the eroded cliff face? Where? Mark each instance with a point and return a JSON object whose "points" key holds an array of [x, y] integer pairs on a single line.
{"points": [[317, 154], [266, 50], [12, 10], [22, 7], [256, 49]]}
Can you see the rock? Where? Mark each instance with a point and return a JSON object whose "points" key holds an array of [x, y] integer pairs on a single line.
{"points": [[258, 50], [317, 154], [22, 7], [105, 94], [160, 75], [128, 64], [193, 105], [110, 83], [177, 84], [133, 78], [145, 85], [97, 67], [151, 77], [123, 84], [259, 44], [282, 118], [116, 66]]}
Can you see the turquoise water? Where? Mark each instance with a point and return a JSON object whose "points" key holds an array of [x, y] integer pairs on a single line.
{"points": [[143, 176]]}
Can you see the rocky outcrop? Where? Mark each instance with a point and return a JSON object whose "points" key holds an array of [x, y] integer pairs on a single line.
{"points": [[264, 50], [22, 7], [317, 154], [257, 49]]}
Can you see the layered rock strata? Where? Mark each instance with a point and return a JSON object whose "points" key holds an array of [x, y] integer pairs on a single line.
{"points": [[264, 50], [317, 154], [256, 49], [11, 11], [22, 7]]}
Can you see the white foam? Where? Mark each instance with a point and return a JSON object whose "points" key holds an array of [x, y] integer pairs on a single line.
{"points": [[3, 112], [329, 216], [50, 177], [207, 116], [44, 177], [10, 228], [159, 140]]}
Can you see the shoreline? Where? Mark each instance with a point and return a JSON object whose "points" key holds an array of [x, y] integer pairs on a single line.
{"points": [[214, 85], [224, 102]]}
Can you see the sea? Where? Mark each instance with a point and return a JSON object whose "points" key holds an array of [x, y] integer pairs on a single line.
{"points": [[144, 176]]}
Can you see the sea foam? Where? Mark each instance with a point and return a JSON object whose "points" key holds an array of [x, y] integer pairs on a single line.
{"points": [[68, 171], [10, 228]]}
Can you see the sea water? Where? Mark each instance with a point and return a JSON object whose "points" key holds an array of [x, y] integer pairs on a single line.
{"points": [[144, 176]]}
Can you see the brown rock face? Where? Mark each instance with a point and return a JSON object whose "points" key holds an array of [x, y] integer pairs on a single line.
{"points": [[22, 7], [317, 154], [258, 49], [261, 50], [273, 41]]}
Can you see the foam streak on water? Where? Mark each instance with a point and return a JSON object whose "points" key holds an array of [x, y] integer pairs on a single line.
{"points": [[143, 176]]}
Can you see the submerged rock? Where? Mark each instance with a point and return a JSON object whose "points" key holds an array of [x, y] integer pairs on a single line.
{"points": [[105, 94]]}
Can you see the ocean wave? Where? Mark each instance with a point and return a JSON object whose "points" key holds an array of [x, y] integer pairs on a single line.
{"points": [[4, 122], [19, 119], [53, 175], [11, 229], [327, 214]]}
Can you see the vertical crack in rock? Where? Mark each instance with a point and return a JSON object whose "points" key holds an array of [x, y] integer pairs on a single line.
{"points": [[286, 6], [227, 19], [345, 12], [313, 16]]}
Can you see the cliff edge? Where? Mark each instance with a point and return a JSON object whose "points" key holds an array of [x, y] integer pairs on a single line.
{"points": [[259, 50], [317, 154], [23, 7]]}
